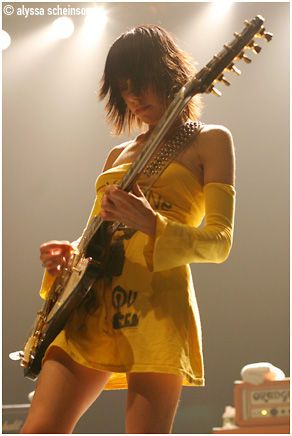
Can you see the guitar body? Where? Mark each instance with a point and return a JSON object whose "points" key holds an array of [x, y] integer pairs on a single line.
{"points": [[69, 291], [78, 287]]}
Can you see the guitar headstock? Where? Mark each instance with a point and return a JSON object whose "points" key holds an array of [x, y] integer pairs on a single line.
{"points": [[213, 72]]}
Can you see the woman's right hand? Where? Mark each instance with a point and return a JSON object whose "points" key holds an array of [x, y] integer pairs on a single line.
{"points": [[54, 255]]}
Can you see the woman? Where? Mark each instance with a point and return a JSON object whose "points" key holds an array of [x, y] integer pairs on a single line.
{"points": [[143, 332]]}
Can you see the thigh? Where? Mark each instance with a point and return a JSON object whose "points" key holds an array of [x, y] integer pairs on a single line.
{"points": [[152, 402], [65, 390]]}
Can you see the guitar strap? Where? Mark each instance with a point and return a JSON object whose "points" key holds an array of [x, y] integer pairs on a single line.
{"points": [[171, 149]]}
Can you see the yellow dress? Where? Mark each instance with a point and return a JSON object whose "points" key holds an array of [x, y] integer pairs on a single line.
{"points": [[147, 319]]}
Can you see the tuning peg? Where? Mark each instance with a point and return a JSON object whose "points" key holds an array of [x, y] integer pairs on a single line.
{"points": [[215, 91], [243, 56], [234, 69], [246, 59], [223, 80], [267, 35], [254, 47], [263, 34], [16, 355]]}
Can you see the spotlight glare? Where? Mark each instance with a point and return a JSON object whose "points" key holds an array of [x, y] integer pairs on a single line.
{"points": [[94, 24], [220, 7], [5, 40], [95, 20], [62, 28]]}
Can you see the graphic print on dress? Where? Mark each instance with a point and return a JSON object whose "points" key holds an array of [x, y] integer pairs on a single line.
{"points": [[123, 299], [156, 201]]}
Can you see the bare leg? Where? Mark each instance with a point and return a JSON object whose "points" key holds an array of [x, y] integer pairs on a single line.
{"points": [[65, 390], [152, 402]]}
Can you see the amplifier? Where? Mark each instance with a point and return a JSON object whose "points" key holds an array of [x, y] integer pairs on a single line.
{"points": [[13, 416], [264, 404]]}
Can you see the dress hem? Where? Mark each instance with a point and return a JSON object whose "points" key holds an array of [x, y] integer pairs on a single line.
{"points": [[188, 379]]}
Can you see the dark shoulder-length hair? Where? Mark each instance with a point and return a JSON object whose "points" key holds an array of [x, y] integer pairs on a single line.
{"points": [[147, 56]]}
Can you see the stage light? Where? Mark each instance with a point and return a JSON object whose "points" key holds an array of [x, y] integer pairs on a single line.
{"points": [[220, 7], [62, 28], [5, 40], [95, 20], [92, 29]]}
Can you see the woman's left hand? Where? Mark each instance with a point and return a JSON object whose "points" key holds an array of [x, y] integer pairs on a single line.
{"points": [[129, 208]]}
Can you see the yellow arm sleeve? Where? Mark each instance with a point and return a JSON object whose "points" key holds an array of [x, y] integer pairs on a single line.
{"points": [[177, 244]]}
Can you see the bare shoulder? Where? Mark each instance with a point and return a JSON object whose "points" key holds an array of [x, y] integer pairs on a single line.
{"points": [[213, 135], [216, 151], [114, 154]]}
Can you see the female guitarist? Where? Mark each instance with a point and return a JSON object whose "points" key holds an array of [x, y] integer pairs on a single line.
{"points": [[142, 330]]}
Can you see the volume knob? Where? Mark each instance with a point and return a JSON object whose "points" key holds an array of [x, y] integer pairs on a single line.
{"points": [[274, 412]]}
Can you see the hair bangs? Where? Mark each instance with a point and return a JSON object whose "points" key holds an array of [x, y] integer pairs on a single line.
{"points": [[148, 57]]}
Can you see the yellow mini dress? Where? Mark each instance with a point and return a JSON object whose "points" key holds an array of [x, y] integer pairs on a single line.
{"points": [[147, 319]]}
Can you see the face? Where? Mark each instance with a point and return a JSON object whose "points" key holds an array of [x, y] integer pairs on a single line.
{"points": [[146, 106]]}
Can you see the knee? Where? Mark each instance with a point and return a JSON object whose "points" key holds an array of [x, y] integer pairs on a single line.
{"points": [[36, 429], [148, 426], [44, 427], [29, 429], [33, 428], [148, 429]]}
